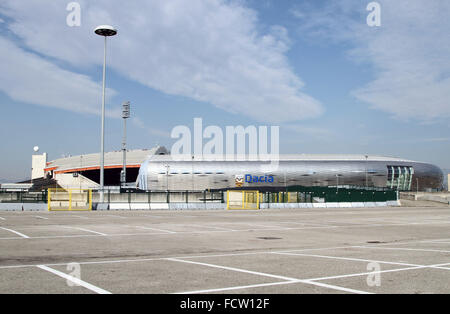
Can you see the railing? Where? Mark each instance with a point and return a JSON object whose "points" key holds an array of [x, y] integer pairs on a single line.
{"points": [[22, 196], [294, 194]]}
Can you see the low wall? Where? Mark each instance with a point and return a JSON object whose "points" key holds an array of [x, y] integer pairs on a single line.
{"points": [[194, 206], [329, 205], [159, 206], [23, 206], [422, 196]]}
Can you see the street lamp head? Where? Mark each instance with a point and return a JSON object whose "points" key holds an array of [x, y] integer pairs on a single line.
{"points": [[105, 30]]}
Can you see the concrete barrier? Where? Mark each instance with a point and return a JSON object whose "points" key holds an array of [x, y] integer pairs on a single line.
{"points": [[139, 206], [119, 206], [159, 206], [194, 206], [25, 206], [393, 203], [433, 198]]}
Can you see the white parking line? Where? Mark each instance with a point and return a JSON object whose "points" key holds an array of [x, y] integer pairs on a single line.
{"points": [[266, 226], [438, 266], [238, 287], [76, 216], [205, 226], [40, 217], [437, 242], [18, 233], [288, 279], [324, 285], [74, 280], [87, 230], [148, 228], [314, 281], [402, 249], [233, 269], [305, 223], [346, 259], [1, 218], [115, 216]]}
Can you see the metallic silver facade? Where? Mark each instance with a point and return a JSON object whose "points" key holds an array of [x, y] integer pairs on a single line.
{"points": [[163, 173]]}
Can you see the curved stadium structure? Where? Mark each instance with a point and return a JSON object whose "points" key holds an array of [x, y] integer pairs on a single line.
{"points": [[155, 169], [164, 173]]}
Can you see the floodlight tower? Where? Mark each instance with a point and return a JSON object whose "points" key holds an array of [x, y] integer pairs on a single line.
{"points": [[125, 116], [105, 31]]}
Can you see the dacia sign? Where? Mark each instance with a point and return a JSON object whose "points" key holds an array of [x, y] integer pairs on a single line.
{"points": [[258, 179]]}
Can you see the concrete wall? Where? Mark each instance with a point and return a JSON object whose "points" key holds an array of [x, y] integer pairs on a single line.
{"points": [[23, 206], [38, 164], [440, 197]]}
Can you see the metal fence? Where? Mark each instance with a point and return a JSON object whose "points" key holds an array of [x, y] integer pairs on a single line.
{"points": [[23, 196], [293, 194], [69, 199], [136, 196], [243, 200], [340, 194]]}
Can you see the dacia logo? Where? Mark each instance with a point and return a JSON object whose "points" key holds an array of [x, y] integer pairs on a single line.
{"points": [[239, 180]]}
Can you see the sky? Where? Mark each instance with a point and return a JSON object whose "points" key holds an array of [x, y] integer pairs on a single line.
{"points": [[315, 68]]}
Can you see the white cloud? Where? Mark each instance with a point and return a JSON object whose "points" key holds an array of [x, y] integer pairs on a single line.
{"points": [[28, 78], [409, 53], [152, 131], [310, 131], [207, 50]]}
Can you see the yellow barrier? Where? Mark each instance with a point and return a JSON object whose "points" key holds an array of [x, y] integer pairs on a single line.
{"points": [[242, 199], [69, 199]]}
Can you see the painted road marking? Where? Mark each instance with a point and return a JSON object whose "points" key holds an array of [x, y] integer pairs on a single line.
{"points": [[148, 228], [87, 230], [18, 233], [346, 259], [403, 249], [288, 279], [76, 216], [75, 280]]}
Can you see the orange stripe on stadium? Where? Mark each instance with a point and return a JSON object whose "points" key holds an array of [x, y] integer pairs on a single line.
{"points": [[91, 168]]}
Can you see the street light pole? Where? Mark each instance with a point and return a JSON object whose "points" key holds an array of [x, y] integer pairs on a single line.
{"points": [[366, 172], [167, 177], [125, 116], [105, 31], [337, 183]]}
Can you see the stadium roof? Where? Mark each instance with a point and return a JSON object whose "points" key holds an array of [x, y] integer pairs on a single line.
{"points": [[112, 160], [293, 157]]}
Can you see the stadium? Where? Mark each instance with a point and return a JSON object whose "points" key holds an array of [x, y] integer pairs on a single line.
{"points": [[155, 169]]}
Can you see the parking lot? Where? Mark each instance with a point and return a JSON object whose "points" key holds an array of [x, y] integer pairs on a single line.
{"points": [[367, 250]]}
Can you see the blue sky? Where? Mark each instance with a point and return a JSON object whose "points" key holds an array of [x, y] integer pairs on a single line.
{"points": [[315, 68]]}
